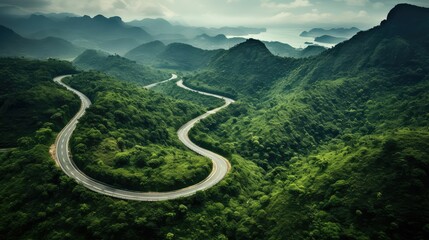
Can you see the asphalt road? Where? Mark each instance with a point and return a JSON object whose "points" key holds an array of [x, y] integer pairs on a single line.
{"points": [[221, 165], [173, 76]]}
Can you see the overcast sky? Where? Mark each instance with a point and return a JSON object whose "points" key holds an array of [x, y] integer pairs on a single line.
{"points": [[258, 13]]}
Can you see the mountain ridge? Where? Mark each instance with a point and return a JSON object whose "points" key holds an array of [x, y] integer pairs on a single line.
{"points": [[13, 44], [179, 56], [83, 31], [119, 67]]}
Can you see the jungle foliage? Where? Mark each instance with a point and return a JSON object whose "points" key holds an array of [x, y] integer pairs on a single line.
{"points": [[342, 135], [330, 147], [29, 99], [127, 138]]}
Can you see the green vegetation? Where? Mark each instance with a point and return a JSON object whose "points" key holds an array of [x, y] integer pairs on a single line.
{"points": [[177, 56], [134, 145], [330, 147], [246, 69], [344, 139], [371, 187], [170, 89], [119, 67], [39, 201], [30, 102]]}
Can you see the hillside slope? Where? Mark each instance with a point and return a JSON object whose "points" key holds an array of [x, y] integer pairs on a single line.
{"points": [[177, 56], [119, 67], [246, 69], [12, 44], [29, 99], [343, 135]]}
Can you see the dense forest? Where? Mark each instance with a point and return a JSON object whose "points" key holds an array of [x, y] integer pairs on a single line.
{"points": [[134, 146], [335, 146], [37, 197], [28, 105], [341, 140]]}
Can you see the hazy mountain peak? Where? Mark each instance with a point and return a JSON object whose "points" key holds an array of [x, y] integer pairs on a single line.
{"points": [[100, 17], [155, 43], [156, 21], [242, 56], [116, 19], [253, 45], [38, 17], [103, 19]]}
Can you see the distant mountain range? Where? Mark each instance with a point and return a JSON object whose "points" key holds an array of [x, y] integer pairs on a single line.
{"points": [[12, 44], [117, 37], [98, 32], [338, 32], [330, 36], [161, 26], [329, 39], [220, 41], [386, 46]]}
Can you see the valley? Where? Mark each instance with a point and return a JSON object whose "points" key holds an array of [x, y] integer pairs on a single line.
{"points": [[169, 131]]}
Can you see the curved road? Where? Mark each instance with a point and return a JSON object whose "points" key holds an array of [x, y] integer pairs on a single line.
{"points": [[221, 165], [173, 76]]}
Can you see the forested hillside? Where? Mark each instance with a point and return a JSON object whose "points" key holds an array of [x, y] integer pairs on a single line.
{"points": [[30, 104], [38, 197], [119, 67], [334, 146], [342, 134], [177, 56]]}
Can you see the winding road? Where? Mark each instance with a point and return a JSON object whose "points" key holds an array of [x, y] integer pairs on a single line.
{"points": [[221, 165]]}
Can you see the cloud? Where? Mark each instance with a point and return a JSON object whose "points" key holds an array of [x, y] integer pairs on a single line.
{"points": [[294, 4], [127, 9], [362, 13], [25, 3], [378, 5], [261, 13], [285, 18], [354, 2], [119, 4]]}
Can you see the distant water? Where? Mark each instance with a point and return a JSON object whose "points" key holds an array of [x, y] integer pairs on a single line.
{"points": [[286, 35]]}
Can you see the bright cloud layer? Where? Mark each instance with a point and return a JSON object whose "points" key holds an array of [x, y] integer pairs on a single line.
{"points": [[263, 13]]}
